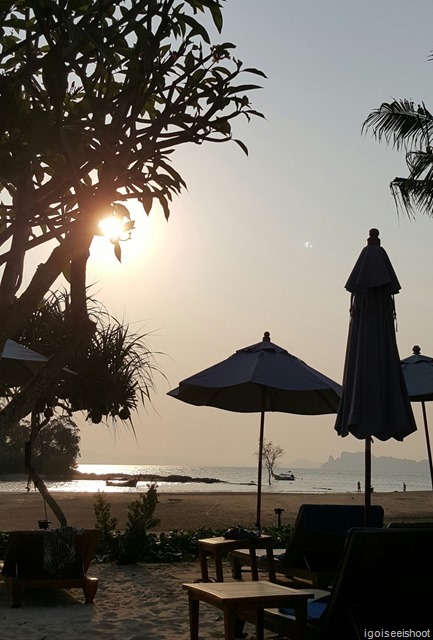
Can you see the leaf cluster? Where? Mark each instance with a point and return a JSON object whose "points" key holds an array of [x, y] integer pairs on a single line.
{"points": [[96, 95], [113, 373]]}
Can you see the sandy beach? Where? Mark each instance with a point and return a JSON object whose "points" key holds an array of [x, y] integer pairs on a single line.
{"points": [[146, 601], [193, 510], [136, 602]]}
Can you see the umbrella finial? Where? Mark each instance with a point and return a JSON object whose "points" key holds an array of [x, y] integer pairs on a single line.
{"points": [[416, 350], [373, 237], [267, 337]]}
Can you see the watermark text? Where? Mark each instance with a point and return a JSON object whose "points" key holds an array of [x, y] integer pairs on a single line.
{"points": [[402, 633]]}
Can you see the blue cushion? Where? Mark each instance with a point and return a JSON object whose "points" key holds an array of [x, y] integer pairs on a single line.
{"points": [[315, 609]]}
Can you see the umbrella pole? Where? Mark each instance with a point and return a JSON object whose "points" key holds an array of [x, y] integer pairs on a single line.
{"points": [[259, 474], [367, 497], [427, 437]]}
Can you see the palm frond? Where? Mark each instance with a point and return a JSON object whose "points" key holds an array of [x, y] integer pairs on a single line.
{"points": [[401, 123], [413, 195], [420, 164]]}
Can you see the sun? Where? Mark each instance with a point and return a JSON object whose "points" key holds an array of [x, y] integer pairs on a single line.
{"points": [[112, 227]]}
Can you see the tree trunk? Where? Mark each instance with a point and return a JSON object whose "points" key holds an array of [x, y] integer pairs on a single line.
{"points": [[71, 248], [43, 490], [34, 475]]}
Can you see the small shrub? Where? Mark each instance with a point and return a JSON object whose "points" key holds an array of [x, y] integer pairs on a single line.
{"points": [[4, 537], [179, 546], [280, 535], [108, 548], [136, 541]]}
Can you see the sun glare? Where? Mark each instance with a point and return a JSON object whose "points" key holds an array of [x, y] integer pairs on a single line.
{"points": [[112, 227]]}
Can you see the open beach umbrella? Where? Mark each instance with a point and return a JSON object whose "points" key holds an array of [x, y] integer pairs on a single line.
{"points": [[259, 378], [374, 402], [418, 375], [18, 364]]}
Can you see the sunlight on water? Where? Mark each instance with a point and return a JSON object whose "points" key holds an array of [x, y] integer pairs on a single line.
{"points": [[232, 479]]}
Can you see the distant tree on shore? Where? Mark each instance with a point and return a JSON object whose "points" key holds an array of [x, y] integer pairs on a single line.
{"points": [[270, 454], [55, 450]]}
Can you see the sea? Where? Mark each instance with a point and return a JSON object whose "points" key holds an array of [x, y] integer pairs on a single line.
{"points": [[232, 479]]}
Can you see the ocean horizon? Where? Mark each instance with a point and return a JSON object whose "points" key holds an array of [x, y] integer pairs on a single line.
{"points": [[231, 479]]}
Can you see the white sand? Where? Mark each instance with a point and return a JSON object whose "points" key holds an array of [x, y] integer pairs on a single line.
{"points": [[136, 602]]}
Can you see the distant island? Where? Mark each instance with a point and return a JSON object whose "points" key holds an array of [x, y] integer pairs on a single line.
{"points": [[385, 464], [149, 477]]}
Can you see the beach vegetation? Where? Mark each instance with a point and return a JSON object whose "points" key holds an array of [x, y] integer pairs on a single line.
{"points": [[141, 518], [107, 524], [132, 544], [95, 97], [4, 538], [137, 543]]}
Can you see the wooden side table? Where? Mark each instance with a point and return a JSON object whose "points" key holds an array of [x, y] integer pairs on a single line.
{"points": [[218, 546], [234, 597]]}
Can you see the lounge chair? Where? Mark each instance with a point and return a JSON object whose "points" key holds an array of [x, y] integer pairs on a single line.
{"points": [[411, 525], [24, 566], [315, 547], [384, 581]]}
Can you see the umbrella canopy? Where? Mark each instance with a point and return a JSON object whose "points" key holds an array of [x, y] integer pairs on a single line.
{"points": [[418, 375], [374, 402], [259, 378], [19, 363]]}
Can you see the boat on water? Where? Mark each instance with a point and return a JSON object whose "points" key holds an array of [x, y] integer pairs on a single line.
{"points": [[284, 475], [122, 481]]}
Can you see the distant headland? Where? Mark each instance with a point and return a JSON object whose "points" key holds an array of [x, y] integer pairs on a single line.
{"points": [[385, 464]]}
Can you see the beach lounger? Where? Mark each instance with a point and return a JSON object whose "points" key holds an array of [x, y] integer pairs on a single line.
{"points": [[413, 525], [384, 581], [315, 547], [25, 567]]}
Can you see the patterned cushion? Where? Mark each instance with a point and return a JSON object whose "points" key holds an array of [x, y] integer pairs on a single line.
{"points": [[58, 549]]}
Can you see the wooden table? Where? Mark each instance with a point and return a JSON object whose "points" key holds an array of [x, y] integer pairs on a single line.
{"points": [[234, 597], [218, 546]]}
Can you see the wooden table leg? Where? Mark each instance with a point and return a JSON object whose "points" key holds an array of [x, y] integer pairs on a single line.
{"points": [[203, 565], [271, 564], [194, 608], [253, 560], [230, 622], [260, 624], [301, 618], [219, 566]]}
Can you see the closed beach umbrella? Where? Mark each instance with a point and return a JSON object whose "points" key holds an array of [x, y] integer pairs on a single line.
{"points": [[374, 402], [259, 378], [418, 374]]}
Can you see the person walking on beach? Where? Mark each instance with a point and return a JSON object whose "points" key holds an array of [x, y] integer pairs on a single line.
{"points": [[404, 486], [359, 487]]}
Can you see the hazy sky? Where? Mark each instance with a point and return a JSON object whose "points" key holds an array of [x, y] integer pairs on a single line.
{"points": [[266, 243]]}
